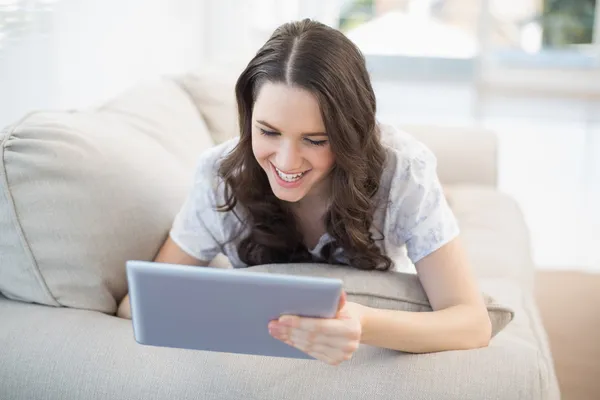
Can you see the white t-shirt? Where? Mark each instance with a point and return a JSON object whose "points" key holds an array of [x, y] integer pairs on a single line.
{"points": [[413, 215]]}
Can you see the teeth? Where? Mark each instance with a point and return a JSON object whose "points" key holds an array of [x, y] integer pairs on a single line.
{"points": [[288, 177]]}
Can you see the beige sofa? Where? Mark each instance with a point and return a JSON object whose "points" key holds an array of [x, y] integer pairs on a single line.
{"points": [[83, 191]]}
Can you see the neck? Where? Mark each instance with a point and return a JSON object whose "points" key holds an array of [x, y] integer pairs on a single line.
{"points": [[317, 198]]}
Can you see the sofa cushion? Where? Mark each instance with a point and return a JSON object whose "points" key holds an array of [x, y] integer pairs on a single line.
{"points": [[213, 92], [389, 290], [494, 232], [81, 192], [465, 155], [101, 360]]}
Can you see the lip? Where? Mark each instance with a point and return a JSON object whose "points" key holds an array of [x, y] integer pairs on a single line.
{"points": [[285, 184]]}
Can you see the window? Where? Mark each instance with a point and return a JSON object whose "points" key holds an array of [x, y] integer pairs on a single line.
{"points": [[444, 38], [21, 17]]}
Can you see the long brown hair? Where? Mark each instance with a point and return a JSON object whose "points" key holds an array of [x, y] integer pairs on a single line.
{"points": [[320, 59]]}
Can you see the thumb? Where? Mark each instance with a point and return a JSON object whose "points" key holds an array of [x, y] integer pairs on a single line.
{"points": [[342, 302]]}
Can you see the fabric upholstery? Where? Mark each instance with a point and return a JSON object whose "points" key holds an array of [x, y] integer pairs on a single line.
{"points": [[213, 93], [82, 192], [466, 155], [101, 361], [493, 231]]}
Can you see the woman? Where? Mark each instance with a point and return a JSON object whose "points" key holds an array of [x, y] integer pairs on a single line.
{"points": [[314, 178]]}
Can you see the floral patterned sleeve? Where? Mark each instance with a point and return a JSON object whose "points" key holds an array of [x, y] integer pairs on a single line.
{"points": [[198, 226], [419, 214]]}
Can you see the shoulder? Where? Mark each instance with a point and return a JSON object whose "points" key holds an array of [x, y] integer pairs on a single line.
{"points": [[207, 187], [209, 161], [206, 174], [409, 162], [417, 213]]}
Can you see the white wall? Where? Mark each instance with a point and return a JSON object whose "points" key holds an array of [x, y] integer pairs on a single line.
{"points": [[89, 50], [94, 49]]}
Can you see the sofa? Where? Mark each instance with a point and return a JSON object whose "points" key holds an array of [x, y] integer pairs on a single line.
{"points": [[82, 191]]}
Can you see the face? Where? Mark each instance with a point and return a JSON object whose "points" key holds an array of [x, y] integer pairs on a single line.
{"points": [[290, 143]]}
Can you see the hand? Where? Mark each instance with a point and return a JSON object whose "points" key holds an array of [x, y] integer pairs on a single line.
{"points": [[332, 340]]}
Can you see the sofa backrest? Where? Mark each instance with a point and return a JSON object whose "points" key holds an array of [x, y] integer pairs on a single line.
{"points": [[82, 192], [213, 93]]}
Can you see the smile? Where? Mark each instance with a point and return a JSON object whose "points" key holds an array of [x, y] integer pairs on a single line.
{"points": [[289, 177]]}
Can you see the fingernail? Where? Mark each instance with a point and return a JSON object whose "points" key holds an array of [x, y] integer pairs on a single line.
{"points": [[286, 321]]}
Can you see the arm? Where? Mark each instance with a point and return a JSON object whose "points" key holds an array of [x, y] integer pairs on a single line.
{"points": [[424, 222], [421, 219], [459, 321], [169, 253]]}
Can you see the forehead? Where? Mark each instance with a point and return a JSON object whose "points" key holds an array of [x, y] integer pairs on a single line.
{"points": [[289, 108]]}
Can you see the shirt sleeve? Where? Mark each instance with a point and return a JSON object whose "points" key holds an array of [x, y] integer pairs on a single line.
{"points": [[420, 215], [197, 226]]}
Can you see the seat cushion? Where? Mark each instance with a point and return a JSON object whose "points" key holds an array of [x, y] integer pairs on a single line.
{"points": [[101, 360], [83, 191], [494, 231]]}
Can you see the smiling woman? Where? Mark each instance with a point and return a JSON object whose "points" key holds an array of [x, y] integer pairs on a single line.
{"points": [[315, 178], [316, 163]]}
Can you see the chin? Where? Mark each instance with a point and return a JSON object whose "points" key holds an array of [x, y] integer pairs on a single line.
{"points": [[287, 196], [290, 195]]}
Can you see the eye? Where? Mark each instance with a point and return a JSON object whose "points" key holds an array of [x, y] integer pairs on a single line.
{"points": [[317, 142], [267, 133]]}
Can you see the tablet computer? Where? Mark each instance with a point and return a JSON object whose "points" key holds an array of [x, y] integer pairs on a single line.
{"points": [[222, 310]]}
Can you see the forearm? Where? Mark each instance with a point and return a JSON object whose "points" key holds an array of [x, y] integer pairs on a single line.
{"points": [[458, 327]]}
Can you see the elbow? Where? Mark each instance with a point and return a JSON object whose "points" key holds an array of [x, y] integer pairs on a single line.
{"points": [[482, 332], [477, 332], [481, 341]]}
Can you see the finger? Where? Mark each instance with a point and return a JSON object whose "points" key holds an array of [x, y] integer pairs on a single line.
{"points": [[320, 326], [320, 352], [343, 350], [311, 324], [342, 301], [343, 341], [325, 358]]}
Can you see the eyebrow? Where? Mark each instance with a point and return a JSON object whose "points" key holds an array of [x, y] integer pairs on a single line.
{"points": [[279, 130]]}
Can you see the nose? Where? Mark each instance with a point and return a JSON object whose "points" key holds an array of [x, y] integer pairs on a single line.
{"points": [[288, 157]]}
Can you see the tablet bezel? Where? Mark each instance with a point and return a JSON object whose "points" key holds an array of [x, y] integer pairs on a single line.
{"points": [[175, 306]]}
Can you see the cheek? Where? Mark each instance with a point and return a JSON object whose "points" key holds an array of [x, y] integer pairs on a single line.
{"points": [[323, 160], [261, 148]]}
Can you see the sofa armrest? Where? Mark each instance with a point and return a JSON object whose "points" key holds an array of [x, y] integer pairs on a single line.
{"points": [[465, 155]]}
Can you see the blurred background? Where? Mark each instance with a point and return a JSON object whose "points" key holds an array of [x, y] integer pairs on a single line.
{"points": [[527, 69]]}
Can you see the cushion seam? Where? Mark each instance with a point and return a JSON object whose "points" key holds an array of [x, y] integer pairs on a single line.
{"points": [[33, 268]]}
